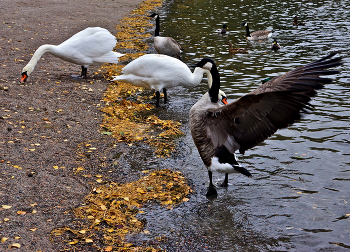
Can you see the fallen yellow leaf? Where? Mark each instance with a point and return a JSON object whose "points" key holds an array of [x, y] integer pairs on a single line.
{"points": [[55, 167], [6, 219], [15, 245], [3, 239], [21, 212], [6, 206], [109, 248], [33, 229], [89, 240], [82, 231], [80, 169]]}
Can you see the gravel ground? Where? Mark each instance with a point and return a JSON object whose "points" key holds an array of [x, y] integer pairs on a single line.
{"points": [[50, 126]]}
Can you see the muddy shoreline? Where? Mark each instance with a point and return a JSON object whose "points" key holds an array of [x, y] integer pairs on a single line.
{"points": [[49, 127]]}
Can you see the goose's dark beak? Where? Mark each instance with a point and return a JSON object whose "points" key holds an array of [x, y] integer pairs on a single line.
{"points": [[224, 100], [24, 77]]}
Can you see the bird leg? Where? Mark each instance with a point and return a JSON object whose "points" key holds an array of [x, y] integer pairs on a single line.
{"points": [[165, 95], [211, 189], [82, 75], [158, 98], [225, 183], [83, 72]]}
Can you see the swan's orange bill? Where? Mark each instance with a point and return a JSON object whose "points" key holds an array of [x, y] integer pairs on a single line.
{"points": [[24, 77], [224, 100]]}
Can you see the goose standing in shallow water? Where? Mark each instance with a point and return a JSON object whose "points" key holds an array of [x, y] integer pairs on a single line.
{"points": [[165, 45], [218, 131], [158, 71], [257, 35], [92, 46]]}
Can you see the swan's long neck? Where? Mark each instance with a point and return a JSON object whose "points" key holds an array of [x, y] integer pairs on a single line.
{"points": [[197, 76], [215, 87], [36, 56], [247, 34], [156, 33]]}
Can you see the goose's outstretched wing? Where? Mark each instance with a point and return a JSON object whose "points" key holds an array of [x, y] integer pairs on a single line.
{"points": [[274, 105]]}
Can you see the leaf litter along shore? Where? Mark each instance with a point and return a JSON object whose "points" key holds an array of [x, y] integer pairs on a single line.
{"points": [[111, 211]]}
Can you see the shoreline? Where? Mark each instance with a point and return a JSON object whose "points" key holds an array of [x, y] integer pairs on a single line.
{"points": [[50, 126]]}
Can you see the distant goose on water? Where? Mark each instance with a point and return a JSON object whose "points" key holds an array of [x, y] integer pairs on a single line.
{"points": [[158, 71], [257, 35], [297, 23], [92, 46], [165, 45], [220, 130]]}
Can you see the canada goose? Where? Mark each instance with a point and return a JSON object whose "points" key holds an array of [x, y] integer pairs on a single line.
{"points": [[158, 71], [296, 22], [223, 30], [235, 50], [218, 131], [92, 46], [257, 35], [275, 46], [165, 45]]}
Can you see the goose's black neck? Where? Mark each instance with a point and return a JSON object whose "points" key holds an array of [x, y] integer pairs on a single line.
{"points": [[156, 33], [215, 87], [247, 34]]}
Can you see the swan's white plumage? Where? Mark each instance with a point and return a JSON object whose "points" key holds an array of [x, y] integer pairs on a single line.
{"points": [[92, 46], [158, 71]]}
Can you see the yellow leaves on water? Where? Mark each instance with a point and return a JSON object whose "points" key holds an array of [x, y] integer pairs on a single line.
{"points": [[113, 208]]}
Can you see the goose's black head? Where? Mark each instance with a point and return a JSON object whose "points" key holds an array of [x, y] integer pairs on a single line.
{"points": [[244, 24], [206, 63], [210, 65], [154, 15]]}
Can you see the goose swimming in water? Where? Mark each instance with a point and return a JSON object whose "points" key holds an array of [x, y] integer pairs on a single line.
{"points": [[257, 35], [92, 46], [220, 130], [297, 23], [158, 71], [165, 45]]}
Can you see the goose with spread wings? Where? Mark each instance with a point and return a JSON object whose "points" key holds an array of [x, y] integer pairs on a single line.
{"points": [[219, 130]]}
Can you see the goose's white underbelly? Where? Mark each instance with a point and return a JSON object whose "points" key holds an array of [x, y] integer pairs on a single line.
{"points": [[216, 166]]}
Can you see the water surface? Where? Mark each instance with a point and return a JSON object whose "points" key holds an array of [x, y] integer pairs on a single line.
{"points": [[298, 198]]}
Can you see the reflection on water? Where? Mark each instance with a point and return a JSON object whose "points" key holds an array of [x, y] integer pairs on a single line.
{"points": [[299, 197]]}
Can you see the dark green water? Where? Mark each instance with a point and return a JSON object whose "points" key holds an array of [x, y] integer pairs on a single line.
{"points": [[299, 196]]}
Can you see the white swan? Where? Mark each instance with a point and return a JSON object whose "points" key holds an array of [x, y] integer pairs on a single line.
{"points": [[158, 71], [92, 46], [165, 45], [218, 131]]}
